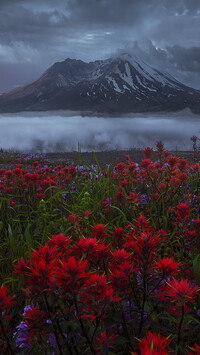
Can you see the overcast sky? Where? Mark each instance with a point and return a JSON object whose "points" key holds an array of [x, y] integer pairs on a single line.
{"points": [[34, 34]]}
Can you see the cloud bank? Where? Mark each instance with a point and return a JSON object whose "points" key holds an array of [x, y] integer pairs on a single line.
{"points": [[65, 131]]}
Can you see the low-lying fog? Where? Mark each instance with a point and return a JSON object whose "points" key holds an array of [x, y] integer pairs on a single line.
{"points": [[67, 131]]}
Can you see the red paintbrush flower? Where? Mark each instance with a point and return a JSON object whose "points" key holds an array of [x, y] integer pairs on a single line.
{"points": [[73, 219], [36, 320], [97, 288], [6, 302], [182, 211], [154, 344], [142, 224], [148, 152], [120, 282], [92, 249], [48, 253], [120, 167], [195, 350], [70, 275], [133, 197], [160, 146], [87, 214], [143, 247], [72, 170], [22, 267], [61, 242], [167, 266], [119, 256], [145, 163], [119, 233], [105, 341], [40, 275], [99, 231], [172, 161], [179, 291]]}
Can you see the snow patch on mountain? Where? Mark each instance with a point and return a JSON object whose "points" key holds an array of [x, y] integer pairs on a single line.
{"points": [[149, 73], [127, 77], [113, 83]]}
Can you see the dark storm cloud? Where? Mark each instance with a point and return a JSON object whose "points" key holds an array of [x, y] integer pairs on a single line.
{"points": [[41, 32], [185, 58]]}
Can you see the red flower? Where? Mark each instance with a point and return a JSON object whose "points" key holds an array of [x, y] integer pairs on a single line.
{"points": [[172, 161], [133, 197], [40, 195], [119, 195], [104, 342], [119, 233], [148, 152], [6, 302], [87, 214], [9, 174], [99, 231], [61, 242], [71, 275], [72, 170], [120, 167], [195, 350], [120, 255], [92, 249], [160, 146], [142, 224], [73, 219], [196, 167], [120, 282], [179, 291], [182, 211], [40, 275], [48, 253], [167, 266], [35, 319], [22, 267], [97, 288], [145, 163], [154, 344], [144, 247]]}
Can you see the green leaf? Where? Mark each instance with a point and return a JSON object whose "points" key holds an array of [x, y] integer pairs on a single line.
{"points": [[28, 238], [196, 268], [1, 225], [11, 238]]}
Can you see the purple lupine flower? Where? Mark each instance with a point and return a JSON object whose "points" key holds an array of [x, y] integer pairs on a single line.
{"points": [[144, 198], [21, 336], [27, 308], [52, 340], [198, 312], [194, 199]]}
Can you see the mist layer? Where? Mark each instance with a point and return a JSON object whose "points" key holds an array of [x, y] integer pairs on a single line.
{"points": [[65, 131]]}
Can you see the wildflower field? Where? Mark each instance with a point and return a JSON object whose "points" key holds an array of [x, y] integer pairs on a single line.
{"points": [[101, 260]]}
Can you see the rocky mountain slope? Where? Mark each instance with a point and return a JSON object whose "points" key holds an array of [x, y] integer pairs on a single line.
{"points": [[116, 85]]}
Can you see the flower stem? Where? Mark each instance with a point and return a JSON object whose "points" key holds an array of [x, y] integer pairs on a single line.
{"points": [[143, 304], [54, 324], [180, 325], [6, 338], [83, 328]]}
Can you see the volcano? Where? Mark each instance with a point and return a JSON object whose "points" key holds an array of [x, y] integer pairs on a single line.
{"points": [[117, 85]]}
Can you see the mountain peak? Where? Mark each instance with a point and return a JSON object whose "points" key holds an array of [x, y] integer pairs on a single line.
{"points": [[124, 83]]}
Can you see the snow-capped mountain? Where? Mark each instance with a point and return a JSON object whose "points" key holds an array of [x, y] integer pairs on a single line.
{"points": [[116, 85]]}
